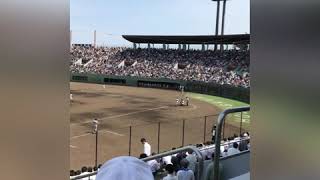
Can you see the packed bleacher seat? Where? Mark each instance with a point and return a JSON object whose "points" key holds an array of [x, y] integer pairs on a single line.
{"points": [[229, 67], [185, 161]]}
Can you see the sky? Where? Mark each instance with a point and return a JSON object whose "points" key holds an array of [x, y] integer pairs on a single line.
{"points": [[113, 18]]}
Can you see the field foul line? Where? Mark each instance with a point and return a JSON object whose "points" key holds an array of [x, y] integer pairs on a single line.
{"points": [[74, 147], [122, 115], [101, 132], [75, 137]]}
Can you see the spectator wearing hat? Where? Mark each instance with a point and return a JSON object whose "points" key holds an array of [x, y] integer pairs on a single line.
{"points": [[125, 168]]}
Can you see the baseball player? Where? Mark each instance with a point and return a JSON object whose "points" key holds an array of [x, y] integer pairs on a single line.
{"points": [[95, 125], [187, 101]]}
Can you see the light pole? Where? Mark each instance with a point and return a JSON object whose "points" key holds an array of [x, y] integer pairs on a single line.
{"points": [[222, 25], [218, 22], [95, 131]]}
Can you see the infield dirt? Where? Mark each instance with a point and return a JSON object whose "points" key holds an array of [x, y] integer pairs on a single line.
{"points": [[119, 107]]}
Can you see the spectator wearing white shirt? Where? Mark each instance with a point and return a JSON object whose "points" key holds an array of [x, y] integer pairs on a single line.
{"points": [[84, 171], [72, 173], [185, 173], [170, 170], [234, 149], [167, 159], [154, 165], [90, 170], [146, 147], [192, 159]]}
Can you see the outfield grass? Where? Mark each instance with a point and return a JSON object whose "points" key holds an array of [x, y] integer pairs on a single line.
{"points": [[224, 103]]}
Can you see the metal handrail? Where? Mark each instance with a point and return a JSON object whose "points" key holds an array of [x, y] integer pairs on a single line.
{"points": [[212, 146], [160, 155], [220, 122], [84, 176], [179, 150]]}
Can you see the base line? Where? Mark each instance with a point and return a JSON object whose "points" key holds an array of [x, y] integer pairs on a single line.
{"points": [[102, 132], [121, 115]]}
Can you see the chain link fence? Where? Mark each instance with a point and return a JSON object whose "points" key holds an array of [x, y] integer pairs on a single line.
{"points": [[162, 136]]}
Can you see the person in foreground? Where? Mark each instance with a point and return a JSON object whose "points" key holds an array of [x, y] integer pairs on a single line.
{"points": [[125, 168], [209, 171], [170, 170], [185, 173]]}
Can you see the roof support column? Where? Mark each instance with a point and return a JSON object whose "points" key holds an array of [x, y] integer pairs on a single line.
{"points": [[134, 46], [217, 22], [94, 38], [70, 38]]}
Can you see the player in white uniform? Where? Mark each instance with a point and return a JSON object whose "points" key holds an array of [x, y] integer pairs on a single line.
{"points": [[146, 147], [177, 101], [187, 101], [95, 126]]}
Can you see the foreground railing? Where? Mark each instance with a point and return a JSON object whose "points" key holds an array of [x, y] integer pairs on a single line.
{"points": [[219, 127], [183, 149], [168, 153]]}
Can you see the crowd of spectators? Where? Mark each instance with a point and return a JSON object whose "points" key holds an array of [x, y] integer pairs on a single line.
{"points": [[229, 67], [183, 166]]}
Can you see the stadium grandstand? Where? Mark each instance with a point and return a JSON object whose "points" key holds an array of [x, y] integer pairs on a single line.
{"points": [[230, 66]]}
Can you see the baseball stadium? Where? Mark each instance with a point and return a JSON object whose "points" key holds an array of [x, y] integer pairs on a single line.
{"points": [[162, 102]]}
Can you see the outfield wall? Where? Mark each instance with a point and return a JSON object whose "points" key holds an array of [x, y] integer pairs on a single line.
{"points": [[226, 91]]}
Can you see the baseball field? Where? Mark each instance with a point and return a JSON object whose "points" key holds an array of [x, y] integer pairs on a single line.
{"points": [[127, 114]]}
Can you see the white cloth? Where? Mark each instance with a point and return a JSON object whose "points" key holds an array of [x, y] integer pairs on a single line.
{"points": [[192, 159], [204, 152], [125, 168], [154, 165], [210, 152], [232, 151], [147, 148], [167, 159], [185, 175], [170, 177]]}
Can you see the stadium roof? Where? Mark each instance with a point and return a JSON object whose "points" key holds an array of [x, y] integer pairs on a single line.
{"points": [[202, 39]]}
